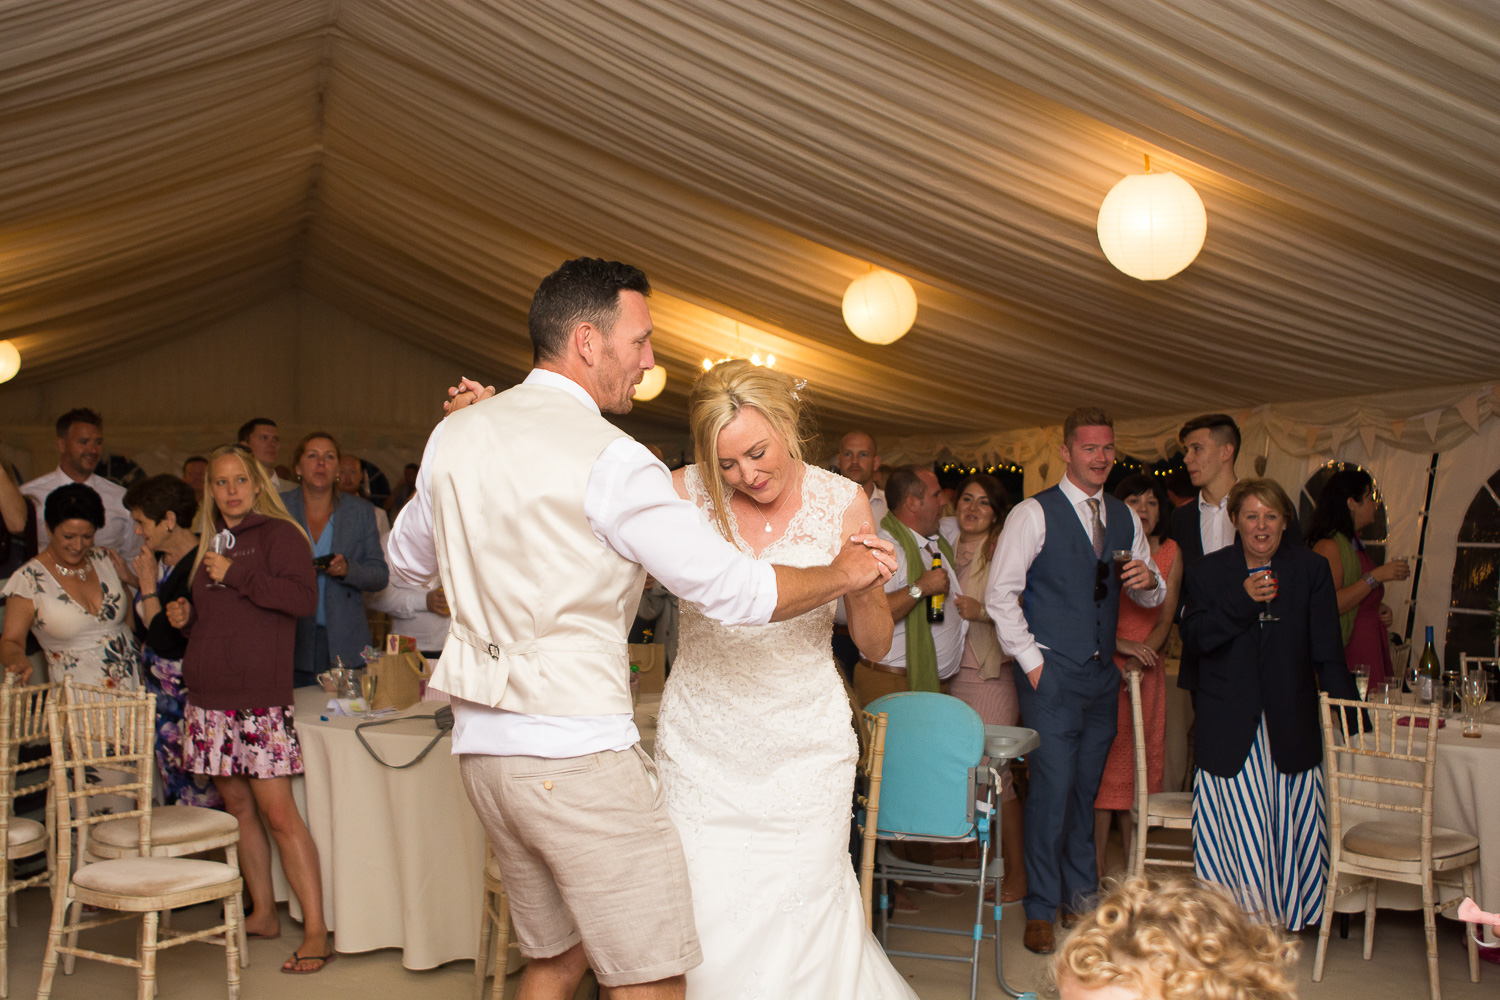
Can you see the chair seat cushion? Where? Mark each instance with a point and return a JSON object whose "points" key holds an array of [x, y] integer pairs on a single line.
{"points": [[24, 832], [1172, 805], [1396, 841], [152, 876], [169, 825]]}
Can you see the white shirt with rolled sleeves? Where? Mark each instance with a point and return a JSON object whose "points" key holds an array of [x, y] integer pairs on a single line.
{"points": [[1021, 541], [632, 508], [118, 532], [947, 635]]}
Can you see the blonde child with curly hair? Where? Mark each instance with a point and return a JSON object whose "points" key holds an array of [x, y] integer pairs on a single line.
{"points": [[1173, 939]]}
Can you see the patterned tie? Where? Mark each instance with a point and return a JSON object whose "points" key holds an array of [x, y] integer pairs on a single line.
{"points": [[1097, 530]]}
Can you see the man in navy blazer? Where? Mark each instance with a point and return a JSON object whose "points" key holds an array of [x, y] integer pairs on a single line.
{"points": [[356, 538]]}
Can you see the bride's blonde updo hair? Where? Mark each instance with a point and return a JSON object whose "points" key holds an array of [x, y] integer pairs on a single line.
{"points": [[718, 397]]}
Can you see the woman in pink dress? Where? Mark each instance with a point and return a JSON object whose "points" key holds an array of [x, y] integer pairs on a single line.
{"points": [[1140, 636], [984, 680], [1346, 507]]}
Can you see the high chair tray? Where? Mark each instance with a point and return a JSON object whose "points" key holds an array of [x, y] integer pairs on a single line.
{"points": [[1009, 742]]}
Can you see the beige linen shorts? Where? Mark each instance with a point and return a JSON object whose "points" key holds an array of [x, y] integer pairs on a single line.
{"points": [[588, 854]]}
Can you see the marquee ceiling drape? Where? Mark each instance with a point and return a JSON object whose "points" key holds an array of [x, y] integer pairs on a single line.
{"points": [[420, 164]]}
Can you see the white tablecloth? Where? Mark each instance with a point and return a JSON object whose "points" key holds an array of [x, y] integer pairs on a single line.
{"points": [[402, 852], [1465, 797]]}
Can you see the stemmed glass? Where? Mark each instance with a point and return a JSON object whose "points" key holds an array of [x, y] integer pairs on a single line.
{"points": [[1362, 680], [1412, 679], [220, 543], [1475, 687], [1265, 615]]}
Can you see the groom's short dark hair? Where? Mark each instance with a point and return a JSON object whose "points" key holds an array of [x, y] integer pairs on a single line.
{"points": [[582, 290]]}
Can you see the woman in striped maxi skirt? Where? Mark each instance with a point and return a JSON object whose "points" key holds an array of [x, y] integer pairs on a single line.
{"points": [[1263, 620]]}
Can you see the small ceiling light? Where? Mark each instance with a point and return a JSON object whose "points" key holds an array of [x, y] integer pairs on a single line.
{"points": [[651, 384], [10, 361]]}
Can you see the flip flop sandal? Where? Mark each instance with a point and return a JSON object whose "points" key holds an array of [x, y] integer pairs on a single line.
{"points": [[296, 959]]}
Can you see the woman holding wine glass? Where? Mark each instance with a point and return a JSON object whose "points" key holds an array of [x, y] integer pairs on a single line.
{"points": [[1258, 804], [1347, 506], [238, 671]]}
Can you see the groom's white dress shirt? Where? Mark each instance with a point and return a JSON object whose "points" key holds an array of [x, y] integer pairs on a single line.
{"points": [[633, 509]]}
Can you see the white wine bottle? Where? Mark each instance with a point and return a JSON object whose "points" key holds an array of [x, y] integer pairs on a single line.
{"points": [[1428, 673]]}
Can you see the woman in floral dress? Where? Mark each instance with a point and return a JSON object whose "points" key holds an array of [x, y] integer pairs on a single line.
{"points": [[72, 600], [163, 508]]}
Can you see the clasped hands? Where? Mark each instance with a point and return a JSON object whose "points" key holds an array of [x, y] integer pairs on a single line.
{"points": [[866, 560], [465, 393]]}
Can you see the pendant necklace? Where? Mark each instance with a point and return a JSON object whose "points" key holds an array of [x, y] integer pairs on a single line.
{"points": [[778, 507], [82, 573]]}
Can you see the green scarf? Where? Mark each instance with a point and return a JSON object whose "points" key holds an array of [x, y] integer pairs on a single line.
{"points": [[1352, 571], [921, 653]]}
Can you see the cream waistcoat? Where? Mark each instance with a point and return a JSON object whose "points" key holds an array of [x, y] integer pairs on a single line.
{"points": [[540, 606]]}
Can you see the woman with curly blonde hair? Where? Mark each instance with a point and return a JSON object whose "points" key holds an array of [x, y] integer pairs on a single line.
{"points": [[1173, 939], [754, 742]]}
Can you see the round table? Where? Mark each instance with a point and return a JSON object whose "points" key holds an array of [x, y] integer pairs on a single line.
{"points": [[402, 852]]}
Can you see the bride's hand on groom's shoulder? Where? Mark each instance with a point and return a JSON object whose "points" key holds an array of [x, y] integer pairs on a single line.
{"points": [[465, 393]]}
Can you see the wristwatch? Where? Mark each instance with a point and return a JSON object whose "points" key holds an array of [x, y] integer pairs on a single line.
{"points": [[1370, 581], [915, 591]]}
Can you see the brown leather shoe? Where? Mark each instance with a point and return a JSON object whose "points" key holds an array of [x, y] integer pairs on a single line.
{"points": [[1039, 937], [1069, 920]]}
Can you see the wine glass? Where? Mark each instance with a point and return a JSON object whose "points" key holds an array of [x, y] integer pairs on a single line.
{"points": [[220, 543], [367, 684], [1475, 687], [1362, 680], [1412, 679], [1265, 615]]}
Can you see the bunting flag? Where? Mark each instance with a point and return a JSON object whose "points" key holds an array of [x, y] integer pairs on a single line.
{"points": [[1430, 420], [1397, 427], [1367, 438], [1468, 408], [1312, 436]]}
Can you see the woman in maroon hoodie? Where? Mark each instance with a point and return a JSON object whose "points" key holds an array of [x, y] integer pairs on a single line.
{"points": [[238, 728]]}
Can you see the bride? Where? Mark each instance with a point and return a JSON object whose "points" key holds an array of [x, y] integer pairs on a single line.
{"points": [[754, 742]]}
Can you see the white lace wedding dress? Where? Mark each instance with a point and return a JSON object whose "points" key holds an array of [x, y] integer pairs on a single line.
{"points": [[756, 751]]}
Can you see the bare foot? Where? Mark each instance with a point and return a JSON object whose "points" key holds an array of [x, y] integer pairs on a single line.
{"points": [[1012, 889], [310, 956], [904, 902], [262, 927]]}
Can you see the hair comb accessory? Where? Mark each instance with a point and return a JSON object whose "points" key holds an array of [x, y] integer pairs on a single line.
{"points": [[797, 386]]}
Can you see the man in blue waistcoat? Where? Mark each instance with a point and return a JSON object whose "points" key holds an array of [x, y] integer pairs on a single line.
{"points": [[1054, 593]]}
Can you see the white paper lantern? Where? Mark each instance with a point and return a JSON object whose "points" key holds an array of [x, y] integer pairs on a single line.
{"points": [[1152, 225], [10, 361], [880, 307], [651, 385]]}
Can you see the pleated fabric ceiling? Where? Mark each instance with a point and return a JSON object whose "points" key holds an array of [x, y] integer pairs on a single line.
{"points": [[420, 164]]}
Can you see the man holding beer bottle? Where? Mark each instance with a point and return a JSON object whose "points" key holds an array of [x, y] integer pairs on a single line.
{"points": [[928, 643]]}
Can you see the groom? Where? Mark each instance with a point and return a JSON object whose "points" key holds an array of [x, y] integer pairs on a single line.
{"points": [[539, 515]]}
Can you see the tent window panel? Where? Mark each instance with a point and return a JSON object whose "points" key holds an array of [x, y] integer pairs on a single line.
{"points": [[1482, 520], [1468, 633], [1476, 578]]}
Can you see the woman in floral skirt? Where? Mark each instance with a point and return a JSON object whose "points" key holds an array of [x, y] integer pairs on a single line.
{"points": [[241, 624]]}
